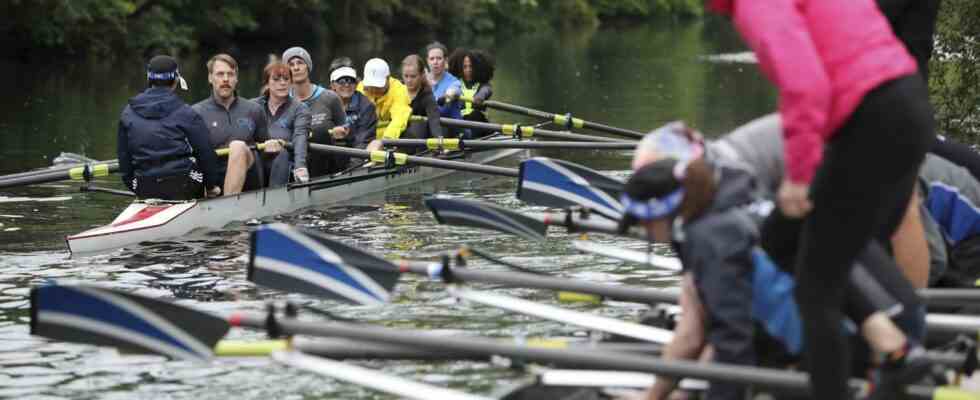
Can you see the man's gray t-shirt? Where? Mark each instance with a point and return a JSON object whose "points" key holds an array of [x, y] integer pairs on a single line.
{"points": [[244, 120]]}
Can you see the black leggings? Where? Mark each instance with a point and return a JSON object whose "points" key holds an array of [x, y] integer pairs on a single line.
{"points": [[860, 192]]}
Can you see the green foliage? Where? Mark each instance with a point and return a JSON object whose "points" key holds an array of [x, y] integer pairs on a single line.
{"points": [[99, 27], [954, 77]]}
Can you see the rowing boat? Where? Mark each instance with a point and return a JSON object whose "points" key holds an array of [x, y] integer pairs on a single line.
{"points": [[150, 220]]}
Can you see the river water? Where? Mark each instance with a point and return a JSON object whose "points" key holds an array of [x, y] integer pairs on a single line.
{"points": [[636, 77]]}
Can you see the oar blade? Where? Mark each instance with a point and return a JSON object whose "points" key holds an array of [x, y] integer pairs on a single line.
{"points": [[486, 216], [100, 316], [302, 261], [562, 184]]}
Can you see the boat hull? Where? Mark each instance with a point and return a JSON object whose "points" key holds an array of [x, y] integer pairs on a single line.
{"points": [[144, 221]]}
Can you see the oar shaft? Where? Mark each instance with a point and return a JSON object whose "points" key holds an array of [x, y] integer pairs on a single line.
{"points": [[453, 144], [401, 159], [951, 297], [525, 131], [563, 119], [522, 279], [777, 379], [75, 173]]}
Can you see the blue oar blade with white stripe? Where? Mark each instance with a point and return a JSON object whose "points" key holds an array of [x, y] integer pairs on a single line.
{"points": [[298, 260], [562, 184], [486, 216], [100, 316]]}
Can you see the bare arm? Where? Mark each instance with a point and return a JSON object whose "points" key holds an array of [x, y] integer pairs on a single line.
{"points": [[688, 341]]}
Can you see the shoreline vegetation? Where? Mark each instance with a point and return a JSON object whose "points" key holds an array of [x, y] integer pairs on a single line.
{"points": [[80, 29]]}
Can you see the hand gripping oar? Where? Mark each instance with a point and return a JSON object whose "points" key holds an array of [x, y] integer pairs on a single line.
{"points": [[461, 144], [297, 260], [566, 121], [562, 184], [393, 158], [93, 312]]}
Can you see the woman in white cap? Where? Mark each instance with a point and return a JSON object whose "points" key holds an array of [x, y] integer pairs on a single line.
{"points": [[390, 98], [361, 119]]}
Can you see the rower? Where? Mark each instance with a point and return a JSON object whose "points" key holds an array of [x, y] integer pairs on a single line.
{"points": [[326, 109], [475, 69], [390, 98], [361, 121], [235, 123], [423, 103], [735, 296], [163, 146], [446, 87], [946, 203], [289, 121]]}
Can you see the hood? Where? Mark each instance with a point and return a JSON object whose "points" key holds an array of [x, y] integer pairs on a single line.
{"points": [[155, 103]]}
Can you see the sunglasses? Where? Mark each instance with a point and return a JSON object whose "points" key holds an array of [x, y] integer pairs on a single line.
{"points": [[348, 81]]}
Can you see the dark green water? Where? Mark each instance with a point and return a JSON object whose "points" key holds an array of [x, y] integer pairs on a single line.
{"points": [[636, 77]]}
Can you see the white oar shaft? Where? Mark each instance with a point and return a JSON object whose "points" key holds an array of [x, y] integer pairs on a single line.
{"points": [[642, 257], [595, 322], [598, 378], [370, 378]]}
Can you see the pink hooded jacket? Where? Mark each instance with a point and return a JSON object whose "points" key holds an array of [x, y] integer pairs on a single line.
{"points": [[823, 56]]}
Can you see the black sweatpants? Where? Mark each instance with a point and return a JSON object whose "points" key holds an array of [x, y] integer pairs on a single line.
{"points": [[860, 192]]}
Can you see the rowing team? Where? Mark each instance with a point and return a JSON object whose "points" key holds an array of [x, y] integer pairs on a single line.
{"points": [[166, 148]]}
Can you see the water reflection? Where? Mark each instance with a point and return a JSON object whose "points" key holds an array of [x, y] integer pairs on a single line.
{"points": [[637, 78]]}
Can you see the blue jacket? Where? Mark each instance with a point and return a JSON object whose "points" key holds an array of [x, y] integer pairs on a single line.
{"points": [[362, 121], [158, 133]]}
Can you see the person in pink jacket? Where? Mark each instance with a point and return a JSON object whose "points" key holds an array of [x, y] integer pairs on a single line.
{"points": [[857, 124]]}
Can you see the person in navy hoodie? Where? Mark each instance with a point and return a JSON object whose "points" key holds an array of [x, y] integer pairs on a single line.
{"points": [[163, 145]]}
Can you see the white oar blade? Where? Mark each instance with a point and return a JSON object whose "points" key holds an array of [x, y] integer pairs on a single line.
{"points": [[641, 257], [595, 322], [296, 260], [99, 316], [370, 378], [561, 184], [486, 216]]}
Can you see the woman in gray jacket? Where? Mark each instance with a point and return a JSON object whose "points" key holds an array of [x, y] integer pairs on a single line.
{"points": [[289, 121]]}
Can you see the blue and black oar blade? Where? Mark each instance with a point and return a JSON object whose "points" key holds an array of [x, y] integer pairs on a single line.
{"points": [[299, 260], [562, 184], [486, 216], [100, 316]]}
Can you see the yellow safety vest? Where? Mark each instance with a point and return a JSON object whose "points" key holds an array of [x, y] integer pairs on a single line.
{"points": [[468, 93]]}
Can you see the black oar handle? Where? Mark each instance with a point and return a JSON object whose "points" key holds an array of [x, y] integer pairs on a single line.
{"points": [[525, 131], [525, 280], [455, 144], [788, 381], [566, 120], [402, 159]]}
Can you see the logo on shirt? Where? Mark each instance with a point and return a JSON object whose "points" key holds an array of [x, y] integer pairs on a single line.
{"points": [[246, 123]]}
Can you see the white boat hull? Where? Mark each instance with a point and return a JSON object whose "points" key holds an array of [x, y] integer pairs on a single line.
{"points": [[149, 221]]}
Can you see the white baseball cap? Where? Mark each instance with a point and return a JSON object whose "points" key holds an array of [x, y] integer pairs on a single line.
{"points": [[343, 72], [376, 73]]}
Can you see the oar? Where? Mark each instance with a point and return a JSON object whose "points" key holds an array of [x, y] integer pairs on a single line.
{"points": [[386, 157], [298, 260], [566, 121], [461, 144], [104, 316], [533, 226], [562, 184], [84, 172], [370, 378], [522, 131]]}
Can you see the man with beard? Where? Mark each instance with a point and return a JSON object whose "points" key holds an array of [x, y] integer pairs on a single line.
{"points": [[235, 123], [326, 109]]}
